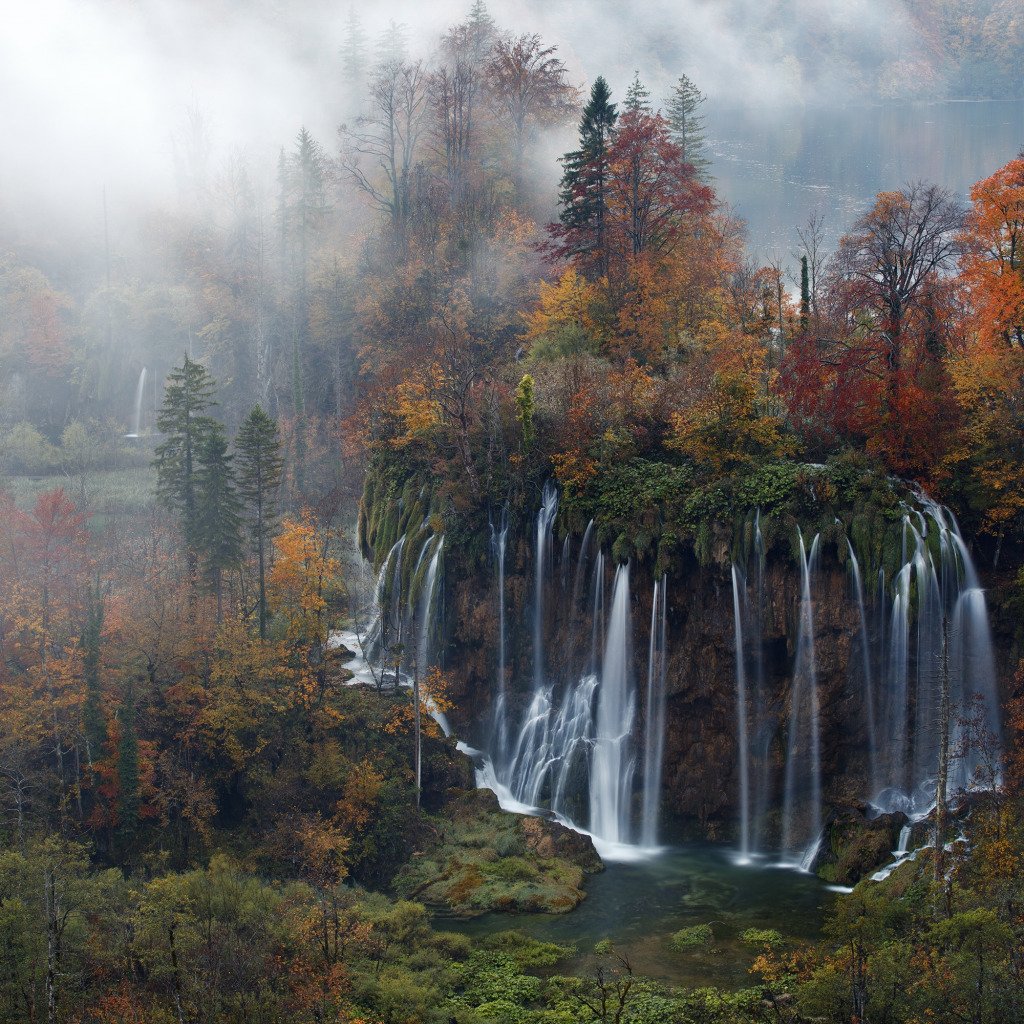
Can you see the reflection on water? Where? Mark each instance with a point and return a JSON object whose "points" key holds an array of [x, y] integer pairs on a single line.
{"points": [[639, 906], [777, 170]]}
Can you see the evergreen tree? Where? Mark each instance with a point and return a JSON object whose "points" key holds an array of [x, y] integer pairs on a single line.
{"points": [[258, 447], [638, 96], [183, 422], [94, 725], [805, 296], [583, 193], [218, 507], [392, 47], [353, 61], [683, 110]]}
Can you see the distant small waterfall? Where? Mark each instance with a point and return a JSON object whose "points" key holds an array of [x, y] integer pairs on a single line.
{"points": [[139, 392]]}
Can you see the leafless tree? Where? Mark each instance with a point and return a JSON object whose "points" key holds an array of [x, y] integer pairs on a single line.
{"points": [[812, 239], [380, 148], [453, 91], [886, 265], [526, 82]]}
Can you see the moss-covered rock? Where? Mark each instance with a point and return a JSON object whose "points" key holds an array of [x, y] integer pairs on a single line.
{"points": [[481, 859], [856, 845]]}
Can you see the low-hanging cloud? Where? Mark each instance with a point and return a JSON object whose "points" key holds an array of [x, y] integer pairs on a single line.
{"points": [[94, 93]]}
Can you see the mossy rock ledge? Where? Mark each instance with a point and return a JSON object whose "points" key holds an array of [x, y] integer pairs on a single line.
{"points": [[856, 845], [480, 859]]}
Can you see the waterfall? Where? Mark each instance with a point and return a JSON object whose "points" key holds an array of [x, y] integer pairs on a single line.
{"points": [[654, 728], [139, 391], [499, 540], [545, 521], [804, 725], [865, 668], [611, 783], [427, 619], [742, 732], [384, 604], [938, 583], [576, 748], [763, 726]]}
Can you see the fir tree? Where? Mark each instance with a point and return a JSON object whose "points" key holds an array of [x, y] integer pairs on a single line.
{"points": [[683, 111], [638, 96], [392, 47], [353, 61], [184, 423], [218, 508], [583, 193], [258, 447]]}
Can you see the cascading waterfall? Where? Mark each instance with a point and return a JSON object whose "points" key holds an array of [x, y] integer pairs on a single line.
{"points": [[937, 584], [654, 730], [428, 616], [864, 643], [742, 731], [545, 521], [499, 542], [578, 745], [577, 749], [804, 745], [611, 782]]}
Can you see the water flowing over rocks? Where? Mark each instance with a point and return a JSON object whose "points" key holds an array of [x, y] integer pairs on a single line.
{"points": [[780, 693]]}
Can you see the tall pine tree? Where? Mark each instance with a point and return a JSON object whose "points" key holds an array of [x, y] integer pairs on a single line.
{"points": [[218, 508], [258, 448], [582, 233], [184, 423], [683, 110]]}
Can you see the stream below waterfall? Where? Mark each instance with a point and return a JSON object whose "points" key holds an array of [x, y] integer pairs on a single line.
{"points": [[639, 906]]}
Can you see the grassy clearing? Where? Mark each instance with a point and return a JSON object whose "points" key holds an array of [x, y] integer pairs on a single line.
{"points": [[109, 491]]}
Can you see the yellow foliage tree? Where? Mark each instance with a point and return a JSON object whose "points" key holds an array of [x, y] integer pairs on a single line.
{"points": [[725, 424]]}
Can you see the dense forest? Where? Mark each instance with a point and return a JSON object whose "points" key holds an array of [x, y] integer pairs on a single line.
{"points": [[214, 808]]}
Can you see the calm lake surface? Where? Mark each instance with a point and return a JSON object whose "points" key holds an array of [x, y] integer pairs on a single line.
{"points": [[639, 906], [775, 170]]}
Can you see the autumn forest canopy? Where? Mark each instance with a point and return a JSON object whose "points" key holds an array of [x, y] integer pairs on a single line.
{"points": [[303, 472]]}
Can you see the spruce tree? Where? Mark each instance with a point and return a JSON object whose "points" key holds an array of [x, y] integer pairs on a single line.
{"points": [[638, 96], [683, 110], [219, 509], [583, 193], [258, 448], [182, 420], [353, 61]]}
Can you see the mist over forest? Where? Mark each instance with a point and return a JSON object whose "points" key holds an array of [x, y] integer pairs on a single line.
{"points": [[512, 512]]}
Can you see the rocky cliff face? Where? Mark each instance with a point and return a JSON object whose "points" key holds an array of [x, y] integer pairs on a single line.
{"points": [[696, 548], [700, 782]]}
